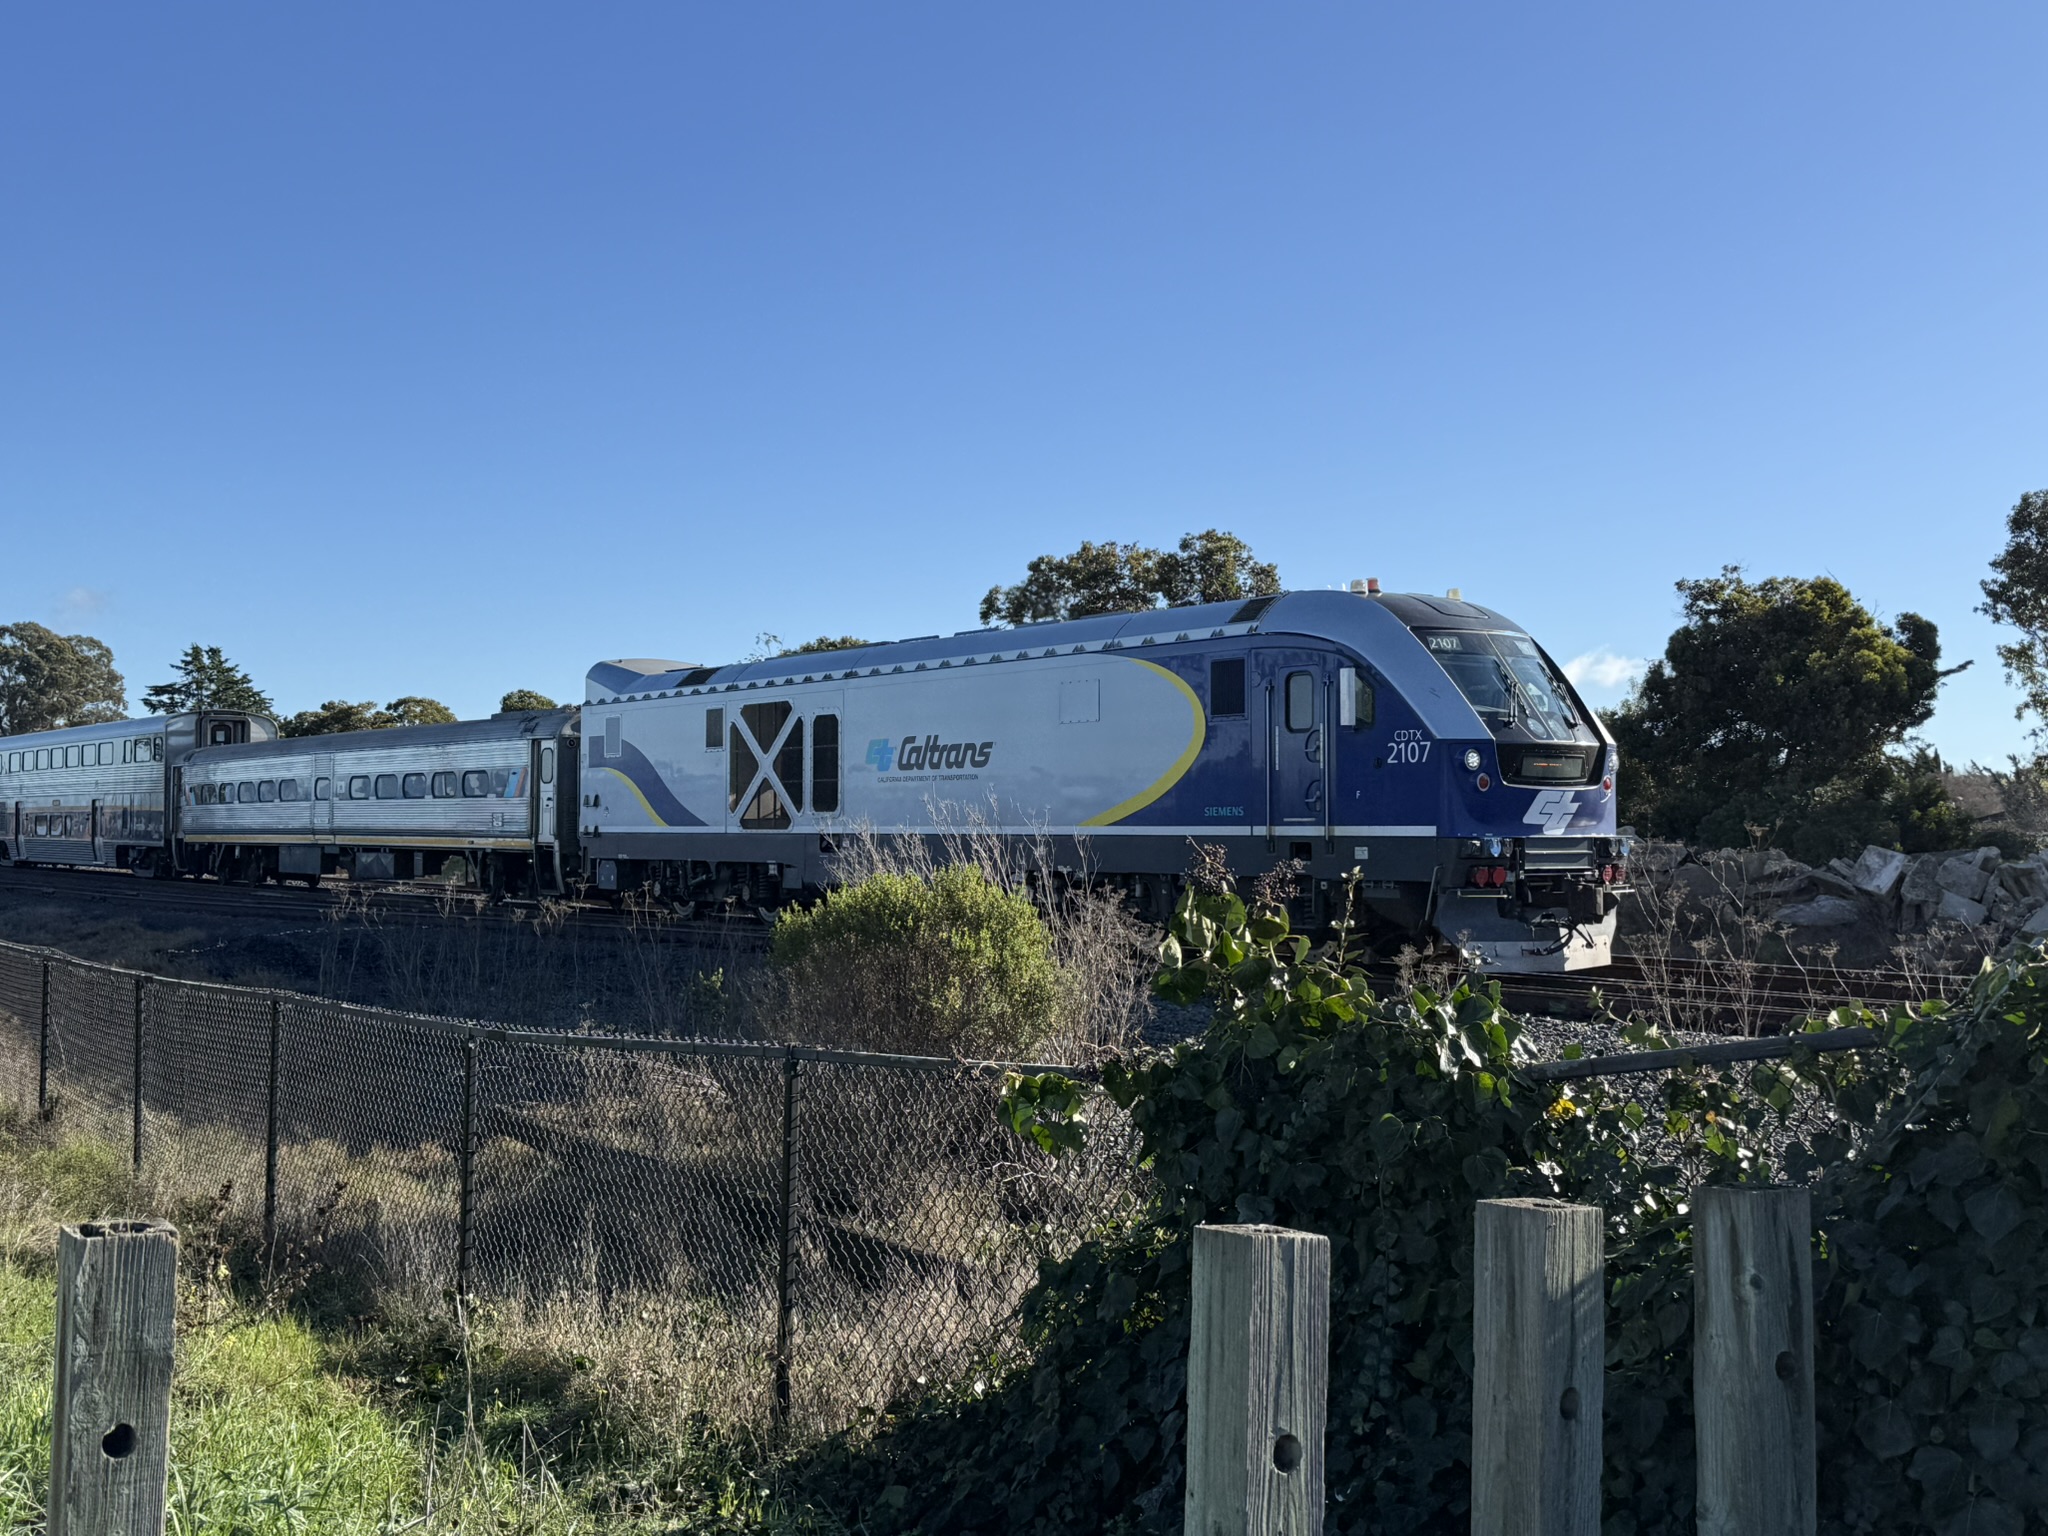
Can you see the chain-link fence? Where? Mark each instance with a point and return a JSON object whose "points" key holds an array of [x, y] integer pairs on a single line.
{"points": [[776, 1234]]}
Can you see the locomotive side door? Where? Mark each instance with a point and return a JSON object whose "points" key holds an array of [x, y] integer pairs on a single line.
{"points": [[1294, 697]]}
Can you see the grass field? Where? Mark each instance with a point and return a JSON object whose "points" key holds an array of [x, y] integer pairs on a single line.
{"points": [[287, 1422]]}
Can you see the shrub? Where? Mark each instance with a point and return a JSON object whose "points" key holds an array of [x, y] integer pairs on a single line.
{"points": [[1315, 1103], [950, 963]]}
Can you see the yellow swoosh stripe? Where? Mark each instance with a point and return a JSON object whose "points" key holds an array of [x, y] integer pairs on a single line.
{"points": [[1181, 764], [652, 814]]}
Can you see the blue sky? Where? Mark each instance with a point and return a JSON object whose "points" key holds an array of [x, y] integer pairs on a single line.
{"points": [[448, 349]]}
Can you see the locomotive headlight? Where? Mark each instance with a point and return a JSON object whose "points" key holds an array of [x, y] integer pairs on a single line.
{"points": [[1472, 759]]}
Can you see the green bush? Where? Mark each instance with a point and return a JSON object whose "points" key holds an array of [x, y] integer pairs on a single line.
{"points": [[950, 964], [1315, 1103]]}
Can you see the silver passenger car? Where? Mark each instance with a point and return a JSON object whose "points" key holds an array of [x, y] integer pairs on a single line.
{"points": [[391, 804], [100, 794]]}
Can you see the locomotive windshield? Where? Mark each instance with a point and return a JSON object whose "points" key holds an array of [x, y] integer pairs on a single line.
{"points": [[1506, 679]]}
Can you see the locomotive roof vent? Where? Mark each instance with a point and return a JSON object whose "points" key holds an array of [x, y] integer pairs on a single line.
{"points": [[1456, 594]]}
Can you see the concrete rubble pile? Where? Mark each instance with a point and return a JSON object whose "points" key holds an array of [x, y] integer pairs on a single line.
{"points": [[1883, 892]]}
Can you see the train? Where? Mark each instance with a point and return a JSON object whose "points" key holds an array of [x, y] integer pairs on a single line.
{"points": [[1423, 754]]}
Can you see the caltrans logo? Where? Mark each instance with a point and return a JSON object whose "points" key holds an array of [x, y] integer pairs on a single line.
{"points": [[882, 755]]}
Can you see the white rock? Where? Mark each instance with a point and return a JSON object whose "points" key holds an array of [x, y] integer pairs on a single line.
{"points": [[1958, 908], [1830, 882], [1821, 912], [1962, 876], [1879, 870], [1919, 886]]}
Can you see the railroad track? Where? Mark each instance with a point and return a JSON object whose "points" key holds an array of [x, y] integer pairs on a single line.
{"points": [[1683, 992], [1726, 997], [405, 901]]}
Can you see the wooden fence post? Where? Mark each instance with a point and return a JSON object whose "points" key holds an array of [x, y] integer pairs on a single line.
{"points": [[1752, 1371], [1538, 1350], [117, 1304], [1258, 1382]]}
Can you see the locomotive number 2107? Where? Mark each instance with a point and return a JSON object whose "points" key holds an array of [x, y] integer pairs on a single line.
{"points": [[1408, 747]]}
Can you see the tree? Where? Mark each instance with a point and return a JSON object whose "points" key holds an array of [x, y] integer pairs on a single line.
{"points": [[1779, 704], [205, 680], [338, 715], [521, 700], [826, 643], [49, 680], [1214, 567], [1208, 567], [334, 717], [2018, 595], [414, 710]]}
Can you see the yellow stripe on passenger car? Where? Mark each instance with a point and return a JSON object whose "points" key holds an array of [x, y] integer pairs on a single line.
{"points": [[1181, 764]]}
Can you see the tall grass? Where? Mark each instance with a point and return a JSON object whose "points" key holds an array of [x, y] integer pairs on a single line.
{"points": [[290, 1418]]}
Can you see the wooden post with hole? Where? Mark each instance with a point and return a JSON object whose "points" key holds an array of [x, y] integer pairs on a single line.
{"points": [[1538, 1350], [1258, 1382], [110, 1423], [1752, 1371]]}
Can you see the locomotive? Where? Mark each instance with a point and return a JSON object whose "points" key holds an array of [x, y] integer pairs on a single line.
{"points": [[1420, 752]]}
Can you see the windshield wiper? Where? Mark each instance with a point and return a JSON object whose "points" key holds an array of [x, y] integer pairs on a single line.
{"points": [[1517, 700]]}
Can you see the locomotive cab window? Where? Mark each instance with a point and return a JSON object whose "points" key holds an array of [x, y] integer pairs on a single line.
{"points": [[476, 784], [1354, 698], [714, 730], [1226, 686], [1301, 701], [825, 764]]}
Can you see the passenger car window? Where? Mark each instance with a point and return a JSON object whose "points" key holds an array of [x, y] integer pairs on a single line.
{"points": [[611, 735], [323, 789], [476, 784], [444, 786], [415, 786], [106, 753], [245, 792], [359, 786], [1226, 686], [1301, 701], [825, 764], [267, 791], [387, 786], [500, 777], [714, 730], [287, 789]]}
